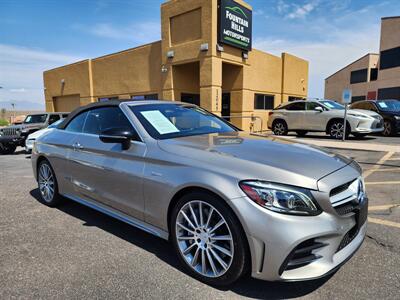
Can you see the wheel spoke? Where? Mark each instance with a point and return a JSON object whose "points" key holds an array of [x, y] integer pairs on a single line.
{"points": [[221, 249], [209, 217], [188, 249], [219, 224], [211, 261], [195, 257], [201, 213], [203, 262], [187, 219], [185, 228], [194, 215], [219, 259], [185, 238], [221, 237]]}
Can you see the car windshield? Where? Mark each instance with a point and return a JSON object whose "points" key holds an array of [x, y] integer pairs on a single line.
{"points": [[35, 119], [165, 121], [331, 104], [389, 105], [55, 124]]}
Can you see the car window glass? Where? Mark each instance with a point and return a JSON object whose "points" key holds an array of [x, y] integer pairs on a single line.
{"points": [[312, 105], [53, 118], [356, 105], [296, 106], [76, 124], [104, 118]]}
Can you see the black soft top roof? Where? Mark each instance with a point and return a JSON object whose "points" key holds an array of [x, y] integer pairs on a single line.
{"points": [[88, 107]]}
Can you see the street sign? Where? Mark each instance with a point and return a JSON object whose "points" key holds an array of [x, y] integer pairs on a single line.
{"points": [[346, 96]]}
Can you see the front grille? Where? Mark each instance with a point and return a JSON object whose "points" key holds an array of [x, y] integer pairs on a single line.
{"points": [[10, 131], [346, 208], [302, 255], [339, 189]]}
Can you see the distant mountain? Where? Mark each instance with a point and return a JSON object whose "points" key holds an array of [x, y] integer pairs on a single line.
{"points": [[22, 105]]}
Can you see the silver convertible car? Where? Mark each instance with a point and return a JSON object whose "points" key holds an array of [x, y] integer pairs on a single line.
{"points": [[231, 203]]}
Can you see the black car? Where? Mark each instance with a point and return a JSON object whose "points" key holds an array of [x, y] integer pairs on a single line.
{"points": [[388, 109]]}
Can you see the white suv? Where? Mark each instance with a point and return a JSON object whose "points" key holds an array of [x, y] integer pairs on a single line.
{"points": [[327, 116]]}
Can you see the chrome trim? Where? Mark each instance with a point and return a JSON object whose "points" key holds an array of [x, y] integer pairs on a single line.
{"points": [[120, 216]]}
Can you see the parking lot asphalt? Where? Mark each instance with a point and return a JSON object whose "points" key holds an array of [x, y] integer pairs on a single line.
{"points": [[75, 252]]}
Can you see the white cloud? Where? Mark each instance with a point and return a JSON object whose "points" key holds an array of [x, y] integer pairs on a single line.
{"points": [[21, 72], [326, 57], [139, 33], [300, 12]]}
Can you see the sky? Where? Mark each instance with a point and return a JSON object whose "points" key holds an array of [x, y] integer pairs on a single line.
{"points": [[36, 35]]}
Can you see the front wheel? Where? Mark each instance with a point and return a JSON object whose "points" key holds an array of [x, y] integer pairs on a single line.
{"points": [[387, 128], [280, 128], [336, 130], [208, 239], [47, 183]]}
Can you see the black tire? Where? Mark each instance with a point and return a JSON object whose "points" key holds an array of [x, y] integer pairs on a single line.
{"points": [[388, 128], [7, 149], [335, 129], [240, 260], [301, 132], [56, 198], [360, 135], [279, 127]]}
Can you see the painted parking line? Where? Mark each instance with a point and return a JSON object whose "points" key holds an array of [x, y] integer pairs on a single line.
{"points": [[388, 170], [378, 164], [382, 207], [382, 182], [383, 222]]}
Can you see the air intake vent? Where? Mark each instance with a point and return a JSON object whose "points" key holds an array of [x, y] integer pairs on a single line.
{"points": [[302, 255]]}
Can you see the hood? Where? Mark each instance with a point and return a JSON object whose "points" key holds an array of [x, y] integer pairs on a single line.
{"points": [[257, 157], [369, 113], [38, 133]]}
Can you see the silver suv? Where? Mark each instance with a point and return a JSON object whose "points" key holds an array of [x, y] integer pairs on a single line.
{"points": [[229, 202], [305, 116]]}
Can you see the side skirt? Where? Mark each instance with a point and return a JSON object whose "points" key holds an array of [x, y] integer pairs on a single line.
{"points": [[121, 216]]}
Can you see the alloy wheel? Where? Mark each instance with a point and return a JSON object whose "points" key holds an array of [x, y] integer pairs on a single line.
{"points": [[387, 128], [337, 130], [46, 182], [279, 128], [204, 239]]}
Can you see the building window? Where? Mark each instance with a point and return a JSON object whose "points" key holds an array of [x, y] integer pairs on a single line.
{"points": [[390, 58], [357, 98], [374, 74], [389, 93], [145, 97], [107, 99], [294, 98], [264, 101], [359, 76], [191, 98]]}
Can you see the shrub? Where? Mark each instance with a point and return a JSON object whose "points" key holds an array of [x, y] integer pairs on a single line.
{"points": [[3, 122]]}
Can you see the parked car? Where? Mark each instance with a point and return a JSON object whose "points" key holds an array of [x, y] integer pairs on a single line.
{"points": [[322, 116], [228, 201], [389, 110], [15, 135], [30, 140]]}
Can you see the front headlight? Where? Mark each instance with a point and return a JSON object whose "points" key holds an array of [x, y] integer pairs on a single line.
{"points": [[280, 198], [397, 117]]}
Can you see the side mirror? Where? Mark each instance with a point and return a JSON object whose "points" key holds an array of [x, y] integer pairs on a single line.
{"points": [[121, 136], [319, 109]]}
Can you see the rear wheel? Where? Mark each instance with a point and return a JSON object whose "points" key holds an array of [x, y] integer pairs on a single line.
{"points": [[336, 129], [387, 128], [301, 132], [208, 240], [47, 183], [7, 149], [280, 127]]}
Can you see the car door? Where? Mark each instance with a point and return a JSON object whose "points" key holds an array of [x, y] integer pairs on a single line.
{"points": [[294, 115], [104, 172], [314, 119]]}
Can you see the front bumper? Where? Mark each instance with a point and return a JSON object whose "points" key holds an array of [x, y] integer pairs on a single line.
{"points": [[274, 237], [368, 126], [29, 144], [14, 140]]}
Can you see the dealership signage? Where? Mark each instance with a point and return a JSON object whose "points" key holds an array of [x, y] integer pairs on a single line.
{"points": [[235, 23]]}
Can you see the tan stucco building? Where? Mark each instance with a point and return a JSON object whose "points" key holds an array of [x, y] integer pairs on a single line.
{"points": [[189, 64], [373, 76]]}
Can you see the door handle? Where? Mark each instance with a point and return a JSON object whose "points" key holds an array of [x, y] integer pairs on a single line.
{"points": [[77, 146]]}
